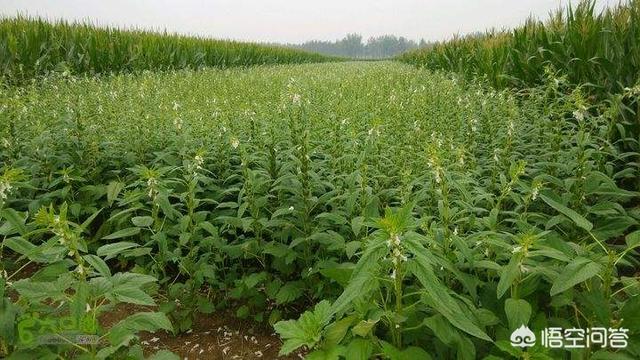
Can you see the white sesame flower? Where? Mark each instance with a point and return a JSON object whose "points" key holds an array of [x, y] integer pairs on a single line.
{"points": [[291, 208], [396, 239], [437, 176], [534, 193], [88, 308], [80, 270], [235, 143], [198, 161], [5, 188], [516, 249], [393, 274], [177, 122]]}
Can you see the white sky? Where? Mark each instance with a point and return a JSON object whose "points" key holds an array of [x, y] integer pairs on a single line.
{"points": [[296, 20]]}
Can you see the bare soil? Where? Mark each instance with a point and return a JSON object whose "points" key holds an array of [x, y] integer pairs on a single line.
{"points": [[217, 336]]}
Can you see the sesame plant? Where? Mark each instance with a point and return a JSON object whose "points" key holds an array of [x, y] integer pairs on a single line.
{"points": [[364, 210], [69, 292]]}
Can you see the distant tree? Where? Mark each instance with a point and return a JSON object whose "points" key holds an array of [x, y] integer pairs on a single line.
{"points": [[352, 46]]}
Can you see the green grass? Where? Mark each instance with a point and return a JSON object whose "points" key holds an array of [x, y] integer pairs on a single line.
{"points": [[425, 217], [34, 47]]}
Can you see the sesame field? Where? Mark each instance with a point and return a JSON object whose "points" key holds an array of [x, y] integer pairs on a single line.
{"points": [[403, 213], [172, 197]]}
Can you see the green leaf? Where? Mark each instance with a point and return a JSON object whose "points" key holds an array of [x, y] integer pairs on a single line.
{"points": [[112, 250], [336, 331], [633, 239], [436, 294], [340, 273], [89, 220], [132, 295], [164, 355], [129, 279], [603, 354], [414, 352], [518, 312], [212, 230], [113, 189], [326, 353], [364, 327], [52, 272], [356, 225], [21, 246], [98, 264], [508, 275], [442, 329], [359, 349], [16, 220], [9, 313], [142, 221], [146, 321], [363, 277], [579, 270], [243, 312], [630, 314], [506, 346], [123, 233], [36, 291], [571, 214], [289, 292], [351, 248], [306, 331], [410, 353]]}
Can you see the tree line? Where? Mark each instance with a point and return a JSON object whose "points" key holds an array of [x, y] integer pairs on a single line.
{"points": [[353, 46]]}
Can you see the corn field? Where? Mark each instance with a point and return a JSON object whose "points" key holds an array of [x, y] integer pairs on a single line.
{"points": [[358, 210], [35, 47], [601, 50]]}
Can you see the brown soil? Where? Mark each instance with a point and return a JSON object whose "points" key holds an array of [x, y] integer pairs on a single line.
{"points": [[214, 336], [217, 336]]}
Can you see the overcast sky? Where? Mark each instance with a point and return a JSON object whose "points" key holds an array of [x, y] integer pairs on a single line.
{"points": [[296, 20]]}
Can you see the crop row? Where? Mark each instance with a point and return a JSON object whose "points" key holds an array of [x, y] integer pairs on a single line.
{"points": [[35, 47]]}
